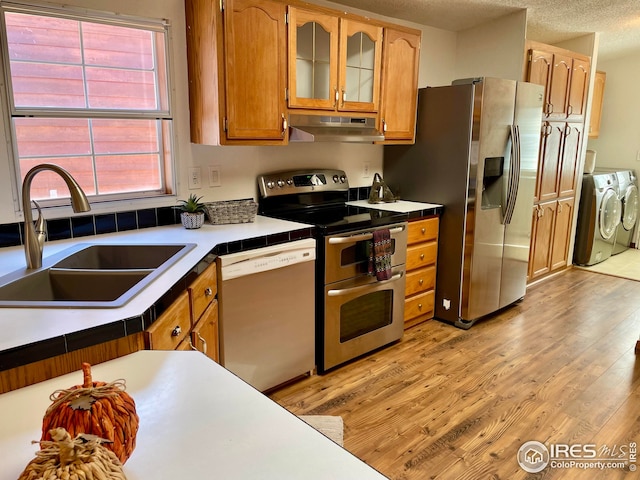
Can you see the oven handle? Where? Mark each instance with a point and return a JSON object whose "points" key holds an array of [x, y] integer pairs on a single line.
{"points": [[346, 291], [360, 237]]}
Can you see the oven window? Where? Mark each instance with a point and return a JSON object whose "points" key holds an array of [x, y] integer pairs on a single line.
{"points": [[358, 254], [365, 314]]}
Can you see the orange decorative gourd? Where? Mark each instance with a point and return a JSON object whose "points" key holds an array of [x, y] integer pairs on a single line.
{"points": [[96, 408]]}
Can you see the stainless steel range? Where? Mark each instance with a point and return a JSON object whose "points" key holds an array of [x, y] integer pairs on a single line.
{"points": [[355, 312]]}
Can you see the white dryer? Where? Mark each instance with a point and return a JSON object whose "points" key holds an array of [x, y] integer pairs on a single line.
{"points": [[629, 210], [598, 218]]}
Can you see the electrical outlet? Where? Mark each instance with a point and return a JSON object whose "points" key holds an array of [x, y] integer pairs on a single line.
{"points": [[195, 178], [366, 169], [214, 176]]}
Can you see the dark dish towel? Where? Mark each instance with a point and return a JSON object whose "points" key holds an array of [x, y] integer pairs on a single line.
{"points": [[380, 254]]}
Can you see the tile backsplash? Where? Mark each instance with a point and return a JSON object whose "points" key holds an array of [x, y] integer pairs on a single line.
{"points": [[12, 234]]}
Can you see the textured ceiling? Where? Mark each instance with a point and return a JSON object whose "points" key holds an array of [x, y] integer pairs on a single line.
{"points": [[548, 21]]}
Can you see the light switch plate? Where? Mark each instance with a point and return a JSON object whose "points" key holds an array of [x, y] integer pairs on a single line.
{"points": [[214, 176]]}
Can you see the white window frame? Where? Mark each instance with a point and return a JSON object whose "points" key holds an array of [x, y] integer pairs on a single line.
{"points": [[168, 169]]}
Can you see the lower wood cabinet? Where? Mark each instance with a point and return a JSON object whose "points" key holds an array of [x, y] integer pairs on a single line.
{"points": [[550, 236], [422, 253], [191, 321]]}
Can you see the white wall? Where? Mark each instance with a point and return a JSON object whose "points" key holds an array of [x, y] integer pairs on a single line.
{"points": [[238, 165], [618, 145], [493, 49]]}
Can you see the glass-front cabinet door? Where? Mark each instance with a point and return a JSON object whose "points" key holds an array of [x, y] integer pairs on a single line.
{"points": [[313, 59], [360, 61]]}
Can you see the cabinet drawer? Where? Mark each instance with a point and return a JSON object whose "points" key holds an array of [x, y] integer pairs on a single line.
{"points": [[418, 305], [420, 280], [422, 230], [421, 255], [202, 290], [171, 327]]}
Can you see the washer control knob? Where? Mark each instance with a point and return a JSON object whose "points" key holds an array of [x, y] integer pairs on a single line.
{"points": [[280, 183], [343, 178], [270, 184], [289, 181], [335, 179]]}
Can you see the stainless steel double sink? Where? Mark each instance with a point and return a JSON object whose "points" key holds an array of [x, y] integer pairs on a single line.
{"points": [[90, 276]]}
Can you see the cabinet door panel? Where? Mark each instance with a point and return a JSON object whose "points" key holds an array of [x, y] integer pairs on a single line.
{"points": [[204, 336], [542, 238], [596, 108], [578, 90], [540, 67], [559, 87], [313, 59], [398, 104], [549, 160], [562, 233], [255, 58], [359, 66], [570, 154]]}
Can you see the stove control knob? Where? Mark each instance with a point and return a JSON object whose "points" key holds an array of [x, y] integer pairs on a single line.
{"points": [[335, 179], [270, 184], [289, 181], [280, 183], [343, 178]]}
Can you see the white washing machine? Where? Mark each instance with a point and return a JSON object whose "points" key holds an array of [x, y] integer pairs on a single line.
{"points": [[598, 218], [629, 211]]}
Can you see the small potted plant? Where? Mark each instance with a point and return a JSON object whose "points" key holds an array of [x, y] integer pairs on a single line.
{"points": [[192, 211]]}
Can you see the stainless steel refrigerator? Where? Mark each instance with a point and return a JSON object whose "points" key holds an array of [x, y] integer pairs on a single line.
{"points": [[476, 152]]}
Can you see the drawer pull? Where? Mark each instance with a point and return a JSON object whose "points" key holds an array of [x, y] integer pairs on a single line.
{"points": [[204, 343], [176, 331], [421, 281], [422, 256], [423, 230], [208, 292], [419, 306]]}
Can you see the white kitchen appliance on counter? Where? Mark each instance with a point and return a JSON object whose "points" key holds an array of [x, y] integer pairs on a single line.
{"points": [[267, 314]]}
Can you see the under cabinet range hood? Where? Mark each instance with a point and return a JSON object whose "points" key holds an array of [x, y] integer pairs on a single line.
{"points": [[321, 128]]}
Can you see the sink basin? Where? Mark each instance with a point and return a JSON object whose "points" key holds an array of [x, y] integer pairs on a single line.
{"points": [[90, 276]]}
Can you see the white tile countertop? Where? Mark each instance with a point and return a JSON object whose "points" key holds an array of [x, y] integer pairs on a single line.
{"points": [[401, 206], [197, 421], [22, 326]]}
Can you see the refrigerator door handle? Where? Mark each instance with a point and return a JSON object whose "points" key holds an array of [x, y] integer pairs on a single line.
{"points": [[514, 175]]}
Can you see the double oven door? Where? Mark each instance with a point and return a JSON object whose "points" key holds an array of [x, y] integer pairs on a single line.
{"points": [[360, 312]]}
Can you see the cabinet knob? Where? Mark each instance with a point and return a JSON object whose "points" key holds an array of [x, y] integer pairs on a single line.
{"points": [[419, 306], [176, 331], [423, 230], [208, 292], [422, 256], [421, 281]]}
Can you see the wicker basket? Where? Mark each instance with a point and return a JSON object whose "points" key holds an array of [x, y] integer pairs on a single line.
{"points": [[231, 211]]}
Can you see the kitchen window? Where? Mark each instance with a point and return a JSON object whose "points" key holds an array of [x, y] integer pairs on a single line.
{"points": [[88, 91]]}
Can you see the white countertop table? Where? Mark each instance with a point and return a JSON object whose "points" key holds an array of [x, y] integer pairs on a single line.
{"points": [[197, 421]]}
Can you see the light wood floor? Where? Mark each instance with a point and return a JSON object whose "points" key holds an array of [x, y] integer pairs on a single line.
{"points": [[446, 403]]}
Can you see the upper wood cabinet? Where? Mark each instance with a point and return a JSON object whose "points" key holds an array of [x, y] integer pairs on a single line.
{"points": [[398, 105], [566, 80], [237, 71], [596, 104], [254, 62], [334, 63]]}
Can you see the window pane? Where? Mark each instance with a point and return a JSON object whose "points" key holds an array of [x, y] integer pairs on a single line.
{"points": [[127, 173], [110, 46], [47, 137], [111, 88], [48, 185], [125, 136], [47, 85]]}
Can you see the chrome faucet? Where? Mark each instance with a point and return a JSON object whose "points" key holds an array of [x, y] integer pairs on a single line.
{"points": [[34, 234]]}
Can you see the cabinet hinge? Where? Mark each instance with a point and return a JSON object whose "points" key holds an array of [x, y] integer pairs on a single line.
{"points": [[222, 5], [226, 124], [286, 94], [286, 18], [530, 56]]}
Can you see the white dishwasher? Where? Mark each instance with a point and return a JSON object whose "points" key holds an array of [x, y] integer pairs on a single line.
{"points": [[267, 313]]}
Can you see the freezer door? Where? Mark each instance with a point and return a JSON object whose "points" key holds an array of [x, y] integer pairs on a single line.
{"points": [[517, 234], [484, 236]]}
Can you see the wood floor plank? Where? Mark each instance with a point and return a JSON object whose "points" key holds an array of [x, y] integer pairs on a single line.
{"points": [[557, 367]]}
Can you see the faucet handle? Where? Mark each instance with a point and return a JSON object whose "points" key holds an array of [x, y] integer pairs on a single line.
{"points": [[39, 226]]}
